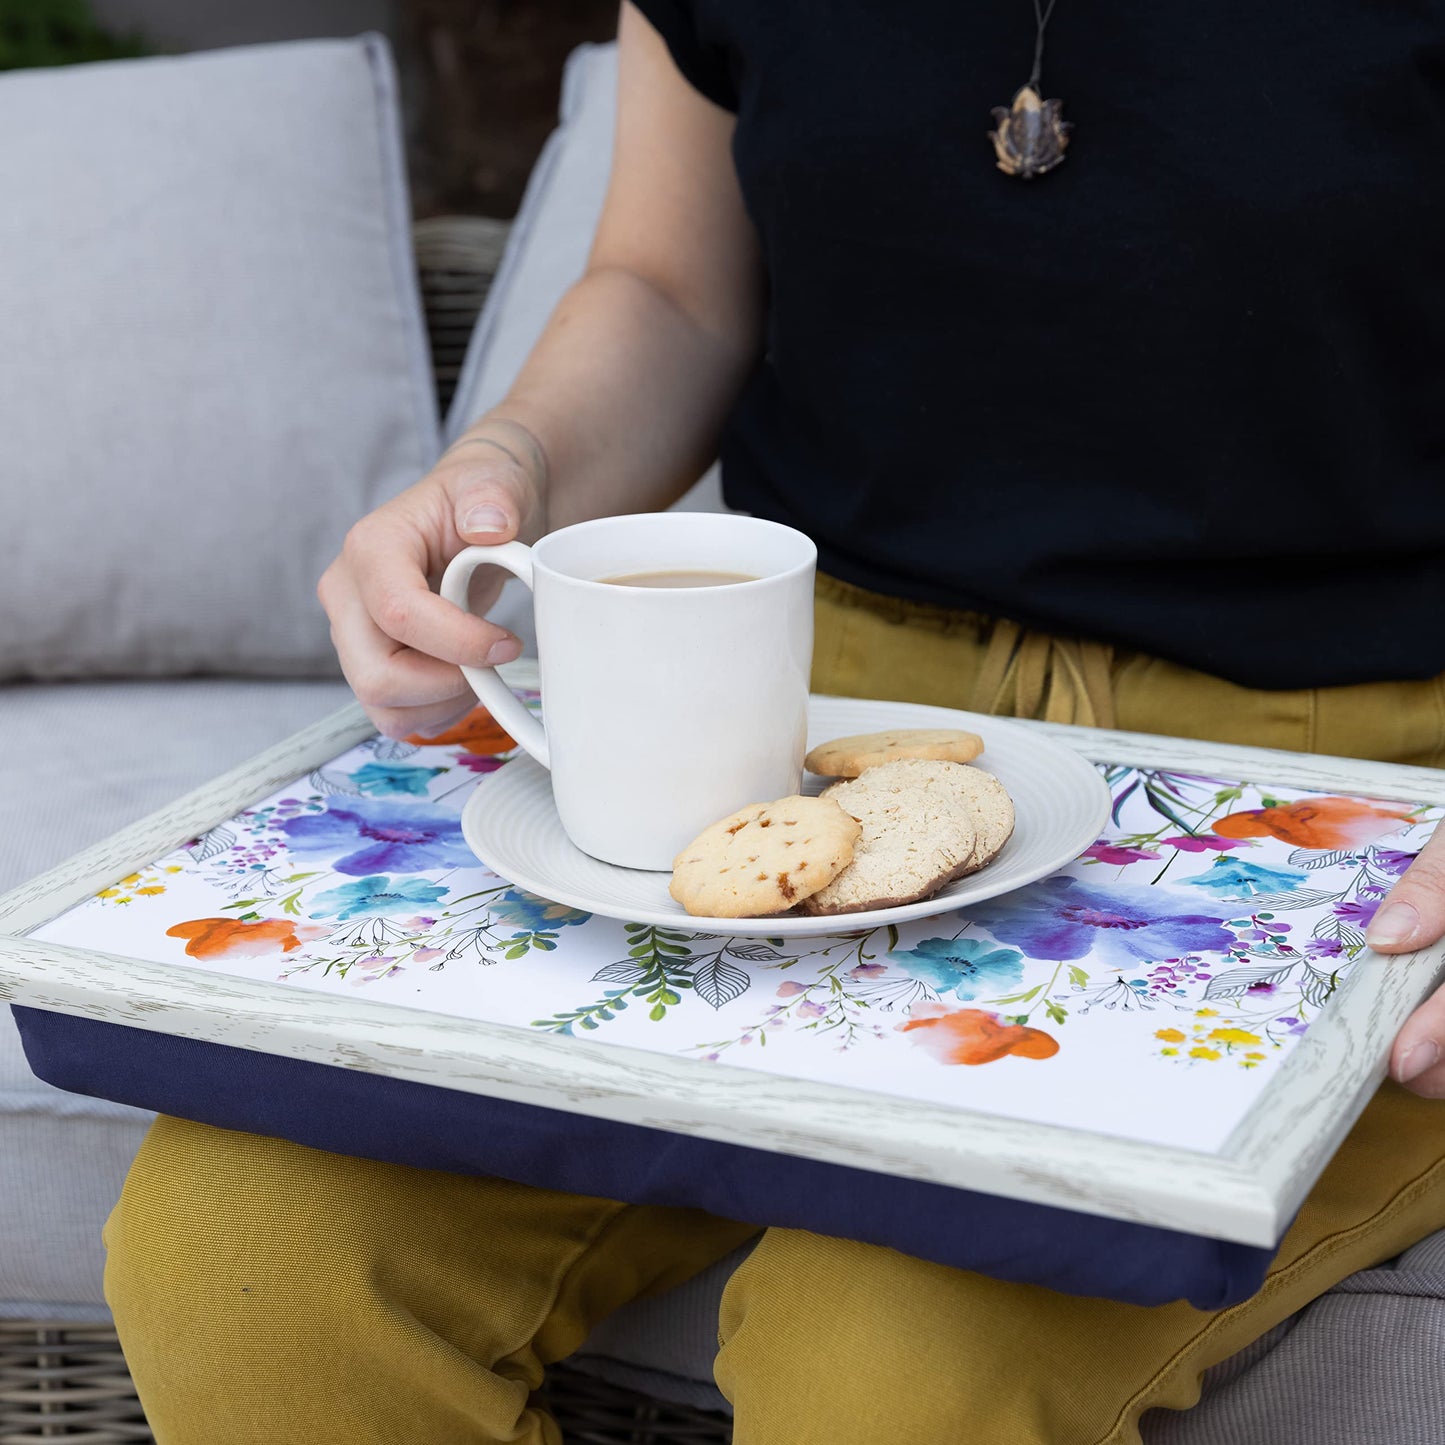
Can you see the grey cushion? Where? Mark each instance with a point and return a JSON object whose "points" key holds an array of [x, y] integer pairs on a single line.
{"points": [[548, 244], [80, 761], [214, 359], [63, 1159], [1362, 1363]]}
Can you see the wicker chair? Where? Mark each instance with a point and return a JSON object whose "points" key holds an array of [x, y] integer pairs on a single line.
{"points": [[64, 1381]]}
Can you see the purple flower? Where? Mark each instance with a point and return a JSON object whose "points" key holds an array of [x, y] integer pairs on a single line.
{"points": [[1102, 852], [1203, 843], [1324, 948], [1359, 913], [1062, 918], [810, 1010], [868, 970], [381, 836], [1392, 860]]}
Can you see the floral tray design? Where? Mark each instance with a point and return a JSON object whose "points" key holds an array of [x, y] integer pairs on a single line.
{"points": [[1147, 991]]}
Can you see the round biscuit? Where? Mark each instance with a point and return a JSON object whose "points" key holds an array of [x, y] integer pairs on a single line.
{"points": [[918, 833], [849, 757], [764, 859]]}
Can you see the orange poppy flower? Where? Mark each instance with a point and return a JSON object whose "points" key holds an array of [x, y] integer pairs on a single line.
{"points": [[1321, 823], [231, 938], [478, 733], [974, 1036]]}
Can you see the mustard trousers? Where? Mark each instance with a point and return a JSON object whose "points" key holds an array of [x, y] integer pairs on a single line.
{"points": [[269, 1294]]}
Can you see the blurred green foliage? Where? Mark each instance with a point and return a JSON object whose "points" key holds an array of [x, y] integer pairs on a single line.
{"points": [[58, 32]]}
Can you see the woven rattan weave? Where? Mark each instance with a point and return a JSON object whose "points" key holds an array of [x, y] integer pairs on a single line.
{"points": [[69, 1382], [456, 258]]}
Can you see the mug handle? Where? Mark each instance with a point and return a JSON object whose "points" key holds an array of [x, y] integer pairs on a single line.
{"points": [[495, 695]]}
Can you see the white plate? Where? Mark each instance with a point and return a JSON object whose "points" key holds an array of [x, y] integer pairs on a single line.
{"points": [[1061, 801]]}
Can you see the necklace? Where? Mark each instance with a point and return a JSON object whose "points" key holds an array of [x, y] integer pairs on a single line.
{"points": [[1031, 134]]}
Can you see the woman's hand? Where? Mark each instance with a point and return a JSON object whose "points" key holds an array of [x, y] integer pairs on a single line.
{"points": [[1412, 916], [400, 645]]}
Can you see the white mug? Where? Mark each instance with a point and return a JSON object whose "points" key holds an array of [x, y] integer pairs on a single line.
{"points": [[665, 708]]}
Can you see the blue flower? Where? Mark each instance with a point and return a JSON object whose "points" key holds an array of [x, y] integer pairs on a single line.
{"points": [[1230, 878], [968, 967], [375, 778], [385, 836], [1062, 918], [531, 914], [368, 897]]}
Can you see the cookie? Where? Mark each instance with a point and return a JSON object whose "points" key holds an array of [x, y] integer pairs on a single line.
{"points": [[848, 757], [993, 812], [918, 834], [764, 859]]}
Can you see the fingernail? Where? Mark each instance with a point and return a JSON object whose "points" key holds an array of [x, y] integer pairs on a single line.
{"points": [[1391, 925], [508, 649], [485, 518], [1418, 1058]]}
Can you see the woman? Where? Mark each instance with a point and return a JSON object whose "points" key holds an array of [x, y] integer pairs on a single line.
{"points": [[1142, 438]]}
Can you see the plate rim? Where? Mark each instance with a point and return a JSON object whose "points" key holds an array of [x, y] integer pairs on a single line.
{"points": [[804, 925]]}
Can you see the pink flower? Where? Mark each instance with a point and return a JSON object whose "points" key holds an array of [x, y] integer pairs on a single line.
{"points": [[475, 764], [812, 1010], [1204, 844], [1102, 852], [790, 989], [868, 970], [425, 955]]}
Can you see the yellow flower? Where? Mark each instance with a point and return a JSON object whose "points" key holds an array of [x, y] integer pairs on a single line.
{"points": [[152, 890], [1168, 1053], [1206, 1013], [1200, 1052], [107, 892], [173, 867], [1170, 1036], [131, 878], [1234, 1036], [125, 899], [1249, 1063], [1256, 1056]]}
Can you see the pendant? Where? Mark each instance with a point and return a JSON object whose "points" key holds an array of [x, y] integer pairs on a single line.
{"points": [[1031, 136]]}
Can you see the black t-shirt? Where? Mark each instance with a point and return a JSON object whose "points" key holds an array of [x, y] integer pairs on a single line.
{"points": [[1185, 394]]}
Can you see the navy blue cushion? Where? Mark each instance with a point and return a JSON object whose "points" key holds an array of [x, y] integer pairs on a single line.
{"points": [[348, 1112]]}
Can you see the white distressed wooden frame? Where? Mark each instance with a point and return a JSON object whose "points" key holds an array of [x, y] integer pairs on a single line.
{"points": [[1248, 1192]]}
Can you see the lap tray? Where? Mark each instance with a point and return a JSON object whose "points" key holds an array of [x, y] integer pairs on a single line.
{"points": [[305, 948]]}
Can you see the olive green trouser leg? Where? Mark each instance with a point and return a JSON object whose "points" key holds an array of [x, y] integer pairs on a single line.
{"points": [[826, 1341], [270, 1294]]}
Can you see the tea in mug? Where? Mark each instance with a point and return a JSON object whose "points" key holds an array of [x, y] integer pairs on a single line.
{"points": [[678, 578]]}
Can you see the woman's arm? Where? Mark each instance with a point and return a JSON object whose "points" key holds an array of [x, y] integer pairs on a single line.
{"points": [[618, 408]]}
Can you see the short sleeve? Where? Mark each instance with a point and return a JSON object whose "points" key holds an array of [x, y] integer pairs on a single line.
{"points": [[706, 64]]}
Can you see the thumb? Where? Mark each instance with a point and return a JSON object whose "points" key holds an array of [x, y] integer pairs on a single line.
{"points": [[1414, 912], [493, 487]]}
